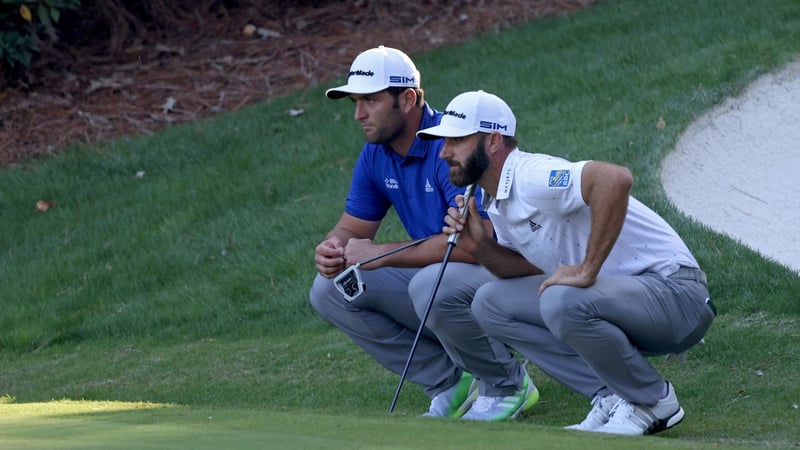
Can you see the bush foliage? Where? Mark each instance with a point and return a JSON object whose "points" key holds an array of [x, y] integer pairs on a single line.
{"points": [[23, 23], [30, 27]]}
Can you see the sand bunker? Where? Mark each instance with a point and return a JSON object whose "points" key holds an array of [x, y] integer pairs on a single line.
{"points": [[737, 168]]}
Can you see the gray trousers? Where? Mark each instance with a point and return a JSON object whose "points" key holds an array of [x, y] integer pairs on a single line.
{"points": [[384, 321], [596, 340]]}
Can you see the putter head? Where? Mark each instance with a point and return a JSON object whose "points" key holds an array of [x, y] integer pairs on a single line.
{"points": [[350, 284]]}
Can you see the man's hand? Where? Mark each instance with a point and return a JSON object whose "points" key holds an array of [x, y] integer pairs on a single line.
{"points": [[329, 257], [472, 227], [358, 250], [569, 276]]}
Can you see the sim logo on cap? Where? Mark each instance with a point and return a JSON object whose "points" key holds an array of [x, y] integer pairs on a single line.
{"points": [[492, 125], [400, 79]]}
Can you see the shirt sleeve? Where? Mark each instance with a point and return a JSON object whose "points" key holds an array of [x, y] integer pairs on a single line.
{"points": [[553, 185], [366, 201]]}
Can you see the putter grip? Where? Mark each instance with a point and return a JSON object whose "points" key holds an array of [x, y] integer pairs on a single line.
{"points": [[453, 239]]}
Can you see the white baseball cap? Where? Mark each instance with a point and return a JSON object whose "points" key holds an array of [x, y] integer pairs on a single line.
{"points": [[472, 112], [376, 69]]}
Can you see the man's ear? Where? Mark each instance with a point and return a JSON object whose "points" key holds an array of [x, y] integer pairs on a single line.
{"points": [[409, 99], [495, 143]]}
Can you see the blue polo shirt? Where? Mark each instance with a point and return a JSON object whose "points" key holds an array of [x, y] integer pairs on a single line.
{"points": [[418, 186]]}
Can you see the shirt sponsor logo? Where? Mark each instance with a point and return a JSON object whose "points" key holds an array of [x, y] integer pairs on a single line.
{"points": [[391, 183], [534, 226], [428, 187], [558, 178]]}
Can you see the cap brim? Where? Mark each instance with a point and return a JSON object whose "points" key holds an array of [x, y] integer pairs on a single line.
{"points": [[343, 91], [443, 131]]}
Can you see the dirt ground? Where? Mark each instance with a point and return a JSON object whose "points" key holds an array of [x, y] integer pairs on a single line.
{"points": [[232, 59]]}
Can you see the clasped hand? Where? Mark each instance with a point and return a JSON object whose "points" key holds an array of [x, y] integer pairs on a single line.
{"points": [[331, 257], [470, 227]]}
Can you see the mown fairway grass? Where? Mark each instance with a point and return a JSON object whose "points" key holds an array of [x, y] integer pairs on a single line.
{"points": [[170, 310]]}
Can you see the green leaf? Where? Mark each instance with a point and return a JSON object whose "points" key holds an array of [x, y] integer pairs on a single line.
{"points": [[55, 14], [41, 11]]}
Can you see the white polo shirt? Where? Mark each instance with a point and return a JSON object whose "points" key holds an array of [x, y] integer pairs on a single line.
{"points": [[539, 212]]}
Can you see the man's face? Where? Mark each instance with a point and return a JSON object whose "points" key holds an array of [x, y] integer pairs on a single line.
{"points": [[467, 158], [380, 116]]}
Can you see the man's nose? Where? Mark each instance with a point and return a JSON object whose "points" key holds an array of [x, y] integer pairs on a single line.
{"points": [[360, 112], [445, 151]]}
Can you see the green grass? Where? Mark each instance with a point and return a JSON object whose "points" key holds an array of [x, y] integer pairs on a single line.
{"points": [[119, 425], [138, 307]]}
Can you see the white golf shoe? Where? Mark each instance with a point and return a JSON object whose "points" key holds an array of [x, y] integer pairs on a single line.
{"points": [[634, 420], [599, 414]]}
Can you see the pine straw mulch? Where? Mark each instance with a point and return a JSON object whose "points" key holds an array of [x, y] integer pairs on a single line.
{"points": [[88, 96]]}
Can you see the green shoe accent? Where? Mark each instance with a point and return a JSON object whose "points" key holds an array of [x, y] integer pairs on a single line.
{"points": [[466, 393], [533, 395], [497, 409], [455, 400]]}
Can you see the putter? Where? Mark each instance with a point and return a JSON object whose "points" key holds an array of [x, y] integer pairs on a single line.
{"points": [[349, 282], [451, 242]]}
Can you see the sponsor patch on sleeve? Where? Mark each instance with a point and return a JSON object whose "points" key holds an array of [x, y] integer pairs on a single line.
{"points": [[558, 178]]}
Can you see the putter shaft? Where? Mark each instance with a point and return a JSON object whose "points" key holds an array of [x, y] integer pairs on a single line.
{"points": [[451, 242]]}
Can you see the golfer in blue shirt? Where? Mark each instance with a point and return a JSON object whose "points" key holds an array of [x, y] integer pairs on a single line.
{"points": [[454, 358]]}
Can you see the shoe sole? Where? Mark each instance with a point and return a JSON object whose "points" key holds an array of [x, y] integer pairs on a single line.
{"points": [[665, 424]]}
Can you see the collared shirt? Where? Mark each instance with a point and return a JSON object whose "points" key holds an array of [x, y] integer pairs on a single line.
{"points": [[418, 186], [539, 211]]}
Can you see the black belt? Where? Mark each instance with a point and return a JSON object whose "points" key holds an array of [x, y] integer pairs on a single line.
{"points": [[694, 274]]}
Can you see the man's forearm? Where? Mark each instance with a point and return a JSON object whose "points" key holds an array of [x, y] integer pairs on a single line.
{"points": [[502, 261]]}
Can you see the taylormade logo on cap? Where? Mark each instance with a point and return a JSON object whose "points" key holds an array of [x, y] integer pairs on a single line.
{"points": [[473, 112], [456, 114], [377, 69], [362, 73]]}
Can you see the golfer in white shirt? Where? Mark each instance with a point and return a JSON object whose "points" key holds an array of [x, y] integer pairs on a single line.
{"points": [[591, 281]]}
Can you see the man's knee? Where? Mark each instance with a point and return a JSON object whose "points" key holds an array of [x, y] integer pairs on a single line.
{"points": [[321, 294], [560, 310], [485, 308], [453, 295], [420, 289]]}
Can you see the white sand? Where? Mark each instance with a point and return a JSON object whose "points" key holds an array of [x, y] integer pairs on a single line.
{"points": [[737, 168]]}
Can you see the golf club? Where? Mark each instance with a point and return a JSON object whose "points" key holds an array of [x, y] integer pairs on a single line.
{"points": [[451, 242], [349, 282]]}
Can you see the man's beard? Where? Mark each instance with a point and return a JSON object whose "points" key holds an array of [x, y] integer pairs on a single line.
{"points": [[385, 136], [474, 168], [391, 130]]}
